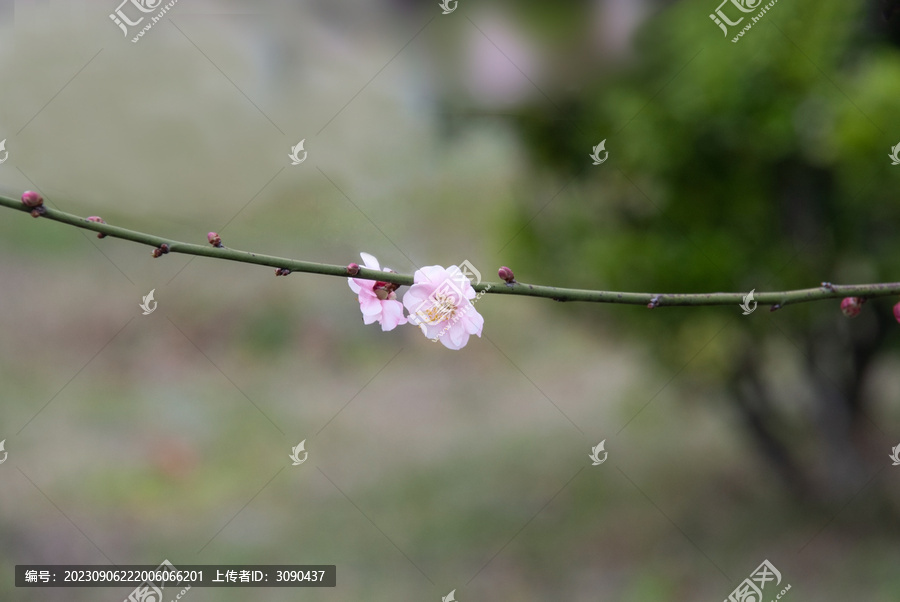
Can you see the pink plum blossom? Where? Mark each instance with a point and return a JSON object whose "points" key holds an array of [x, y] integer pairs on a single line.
{"points": [[440, 303], [377, 300]]}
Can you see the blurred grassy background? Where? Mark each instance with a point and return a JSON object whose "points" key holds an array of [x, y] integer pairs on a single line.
{"points": [[434, 139]]}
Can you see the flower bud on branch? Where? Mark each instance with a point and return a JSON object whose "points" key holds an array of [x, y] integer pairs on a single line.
{"points": [[506, 275], [97, 220], [32, 199], [160, 250], [852, 306]]}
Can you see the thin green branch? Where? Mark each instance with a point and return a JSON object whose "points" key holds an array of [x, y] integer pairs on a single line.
{"points": [[776, 299]]}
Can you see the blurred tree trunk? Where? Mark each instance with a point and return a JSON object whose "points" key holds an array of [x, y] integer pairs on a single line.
{"points": [[839, 458]]}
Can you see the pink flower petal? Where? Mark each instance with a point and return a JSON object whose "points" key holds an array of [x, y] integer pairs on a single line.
{"points": [[370, 261], [431, 274], [452, 340], [392, 315], [474, 322], [373, 310], [416, 299]]}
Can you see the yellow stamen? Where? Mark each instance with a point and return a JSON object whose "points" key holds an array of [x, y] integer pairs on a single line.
{"points": [[442, 308]]}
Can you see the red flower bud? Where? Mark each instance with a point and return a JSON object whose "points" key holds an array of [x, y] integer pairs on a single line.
{"points": [[98, 220], [214, 239], [851, 306], [156, 253], [38, 211], [282, 271], [506, 275], [353, 269], [897, 312], [32, 199]]}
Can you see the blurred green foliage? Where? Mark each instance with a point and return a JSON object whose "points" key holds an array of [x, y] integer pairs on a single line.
{"points": [[761, 164]]}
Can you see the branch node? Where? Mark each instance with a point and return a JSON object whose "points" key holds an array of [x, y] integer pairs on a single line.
{"points": [[97, 220]]}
